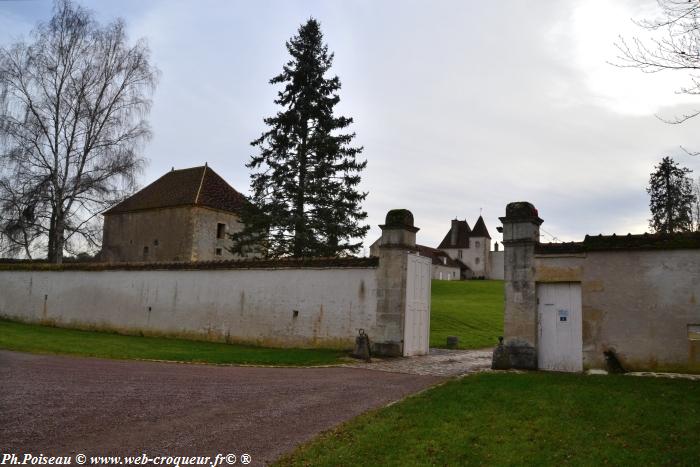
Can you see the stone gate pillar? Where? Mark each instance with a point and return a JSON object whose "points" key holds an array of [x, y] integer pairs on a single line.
{"points": [[398, 238], [521, 232]]}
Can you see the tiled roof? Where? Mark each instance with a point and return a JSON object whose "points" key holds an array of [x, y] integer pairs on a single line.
{"points": [[480, 229], [438, 257], [678, 241], [463, 233], [196, 186]]}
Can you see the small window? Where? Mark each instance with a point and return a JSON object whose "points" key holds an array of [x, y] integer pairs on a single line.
{"points": [[220, 230], [476, 260], [218, 252], [459, 254], [155, 242], [694, 332], [478, 244], [145, 252]]}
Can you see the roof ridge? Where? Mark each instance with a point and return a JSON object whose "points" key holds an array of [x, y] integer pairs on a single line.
{"points": [[186, 168], [201, 182]]}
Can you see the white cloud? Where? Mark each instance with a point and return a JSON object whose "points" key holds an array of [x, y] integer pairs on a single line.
{"points": [[594, 27]]}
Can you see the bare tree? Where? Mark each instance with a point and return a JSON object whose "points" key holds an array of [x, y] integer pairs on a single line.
{"points": [[72, 119], [674, 45]]}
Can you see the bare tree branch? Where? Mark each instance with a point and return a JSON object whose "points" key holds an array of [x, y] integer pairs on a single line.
{"points": [[73, 104], [674, 45]]}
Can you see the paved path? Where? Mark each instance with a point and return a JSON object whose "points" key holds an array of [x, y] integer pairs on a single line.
{"points": [[440, 362], [68, 405]]}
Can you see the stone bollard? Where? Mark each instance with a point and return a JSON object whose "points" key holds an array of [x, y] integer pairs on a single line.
{"points": [[452, 342], [501, 358], [362, 347]]}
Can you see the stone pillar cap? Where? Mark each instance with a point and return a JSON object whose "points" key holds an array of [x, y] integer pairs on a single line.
{"points": [[521, 211], [399, 219]]}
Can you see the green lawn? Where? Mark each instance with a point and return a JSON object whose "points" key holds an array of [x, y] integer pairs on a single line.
{"points": [[44, 339], [523, 419], [470, 310]]}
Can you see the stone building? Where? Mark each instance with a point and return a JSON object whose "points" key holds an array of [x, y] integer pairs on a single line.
{"points": [[471, 248], [185, 215]]}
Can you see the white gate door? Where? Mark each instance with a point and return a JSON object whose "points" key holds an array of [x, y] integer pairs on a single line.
{"points": [[416, 334], [560, 343]]}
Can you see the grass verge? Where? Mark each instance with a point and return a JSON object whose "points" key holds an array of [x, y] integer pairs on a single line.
{"points": [[45, 339], [470, 310], [523, 419]]}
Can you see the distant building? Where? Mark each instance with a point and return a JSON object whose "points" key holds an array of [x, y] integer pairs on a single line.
{"points": [[444, 267], [464, 253], [185, 215], [470, 247]]}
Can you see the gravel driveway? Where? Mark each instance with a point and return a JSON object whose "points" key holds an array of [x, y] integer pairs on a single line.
{"points": [[68, 405]]}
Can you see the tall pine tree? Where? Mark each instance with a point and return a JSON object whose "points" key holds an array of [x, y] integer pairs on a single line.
{"points": [[305, 200], [672, 198]]}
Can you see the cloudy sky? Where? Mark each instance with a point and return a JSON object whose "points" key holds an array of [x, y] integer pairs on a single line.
{"points": [[461, 106]]}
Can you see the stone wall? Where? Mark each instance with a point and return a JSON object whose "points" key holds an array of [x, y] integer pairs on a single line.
{"points": [[167, 233], [206, 245], [278, 307], [185, 233], [639, 303], [299, 303], [639, 295], [496, 261]]}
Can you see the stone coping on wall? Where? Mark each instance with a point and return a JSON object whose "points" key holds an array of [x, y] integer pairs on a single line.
{"points": [[678, 241], [291, 263]]}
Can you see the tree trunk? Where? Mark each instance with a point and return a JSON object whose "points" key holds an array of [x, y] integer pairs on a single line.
{"points": [[56, 239], [52, 228], [669, 205], [299, 240], [299, 225]]}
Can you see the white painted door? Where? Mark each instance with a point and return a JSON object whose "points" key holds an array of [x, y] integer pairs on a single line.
{"points": [[560, 343], [417, 315]]}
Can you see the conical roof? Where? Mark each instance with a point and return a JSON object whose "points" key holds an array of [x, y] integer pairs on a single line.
{"points": [[480, 229]]}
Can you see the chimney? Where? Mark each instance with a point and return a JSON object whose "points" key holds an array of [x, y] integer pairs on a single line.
{"points": [[496, 246], [454, 231]]}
